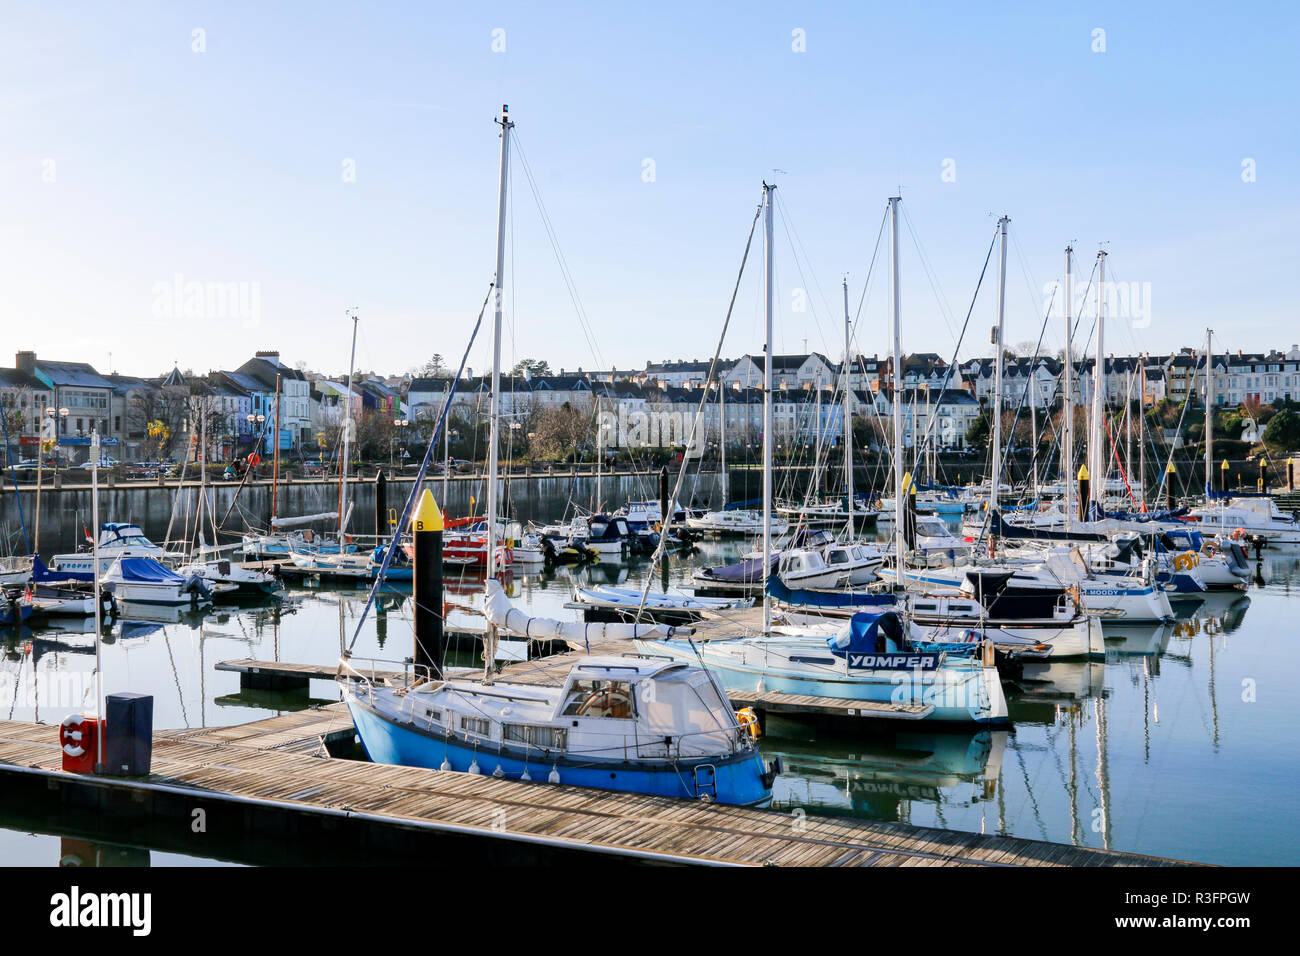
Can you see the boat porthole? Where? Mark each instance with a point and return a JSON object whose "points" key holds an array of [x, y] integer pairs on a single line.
{"points": [[612, 776]]}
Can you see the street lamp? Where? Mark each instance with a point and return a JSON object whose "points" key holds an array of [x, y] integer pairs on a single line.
{"points": [[397, 423], [47, 425]]}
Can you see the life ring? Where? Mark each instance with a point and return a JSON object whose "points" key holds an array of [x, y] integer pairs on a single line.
{"points": [[1238, 534], [254, 459], [1186, 561], [748, 722], [69, 738]]}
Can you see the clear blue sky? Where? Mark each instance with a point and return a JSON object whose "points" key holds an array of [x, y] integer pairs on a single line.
{"points": [[226, 166]]}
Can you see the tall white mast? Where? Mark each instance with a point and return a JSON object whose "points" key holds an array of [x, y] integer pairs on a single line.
{"points": [[848, 415], [997, 369], [347, 432], [494, 403], [899, 491], [768, 292], [722, 435], [1067, 447], [1209, 412], [97, 594], [1142, 424], [1097, 440]]}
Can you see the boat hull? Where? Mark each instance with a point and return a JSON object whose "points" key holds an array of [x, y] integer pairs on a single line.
{"points": [[738, 778]]}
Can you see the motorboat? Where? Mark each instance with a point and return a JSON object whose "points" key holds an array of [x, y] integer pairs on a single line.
{"points": [[116, 540], [145, 581], [806, 568], [736, 523], [1257, 517]]}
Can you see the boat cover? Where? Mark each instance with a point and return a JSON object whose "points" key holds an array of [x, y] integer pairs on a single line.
{"points": [[868, 633], [505, 616], [777, 588]]}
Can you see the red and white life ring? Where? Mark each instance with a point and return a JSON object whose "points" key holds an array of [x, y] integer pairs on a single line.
{"points": [[71, 733]]}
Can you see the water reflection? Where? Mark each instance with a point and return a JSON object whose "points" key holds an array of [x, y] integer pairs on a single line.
{"points": [[1140, 752], [875, 776]]}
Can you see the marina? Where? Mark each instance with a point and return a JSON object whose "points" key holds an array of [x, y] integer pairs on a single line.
{"points": [[1160, 720], [437, 447]]}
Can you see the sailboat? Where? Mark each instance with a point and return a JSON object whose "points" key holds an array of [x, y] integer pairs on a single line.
{"points": [[642, 724], [878, 655]]}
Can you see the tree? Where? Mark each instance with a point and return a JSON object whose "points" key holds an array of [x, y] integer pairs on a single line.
{"points": [[436, 367], [977, 435], [1283, 431], [560, 432], [534, 367]]}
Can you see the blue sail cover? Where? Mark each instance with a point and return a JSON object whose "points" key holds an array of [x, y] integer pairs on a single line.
{"points": [[148, 571], [776, 588], [872, 642], [744, 572], [43, 575]]}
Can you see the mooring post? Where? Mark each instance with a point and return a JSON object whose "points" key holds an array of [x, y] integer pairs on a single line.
{"points": [[430, 643], [381, 506], [909, 517], [664, 516], [1085, 486], [1169, 486]]}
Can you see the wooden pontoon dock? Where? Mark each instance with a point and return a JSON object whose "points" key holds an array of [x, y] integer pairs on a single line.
{"points": [[272, 783]]}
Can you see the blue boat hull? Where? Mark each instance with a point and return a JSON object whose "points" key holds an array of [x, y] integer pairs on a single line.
{"points": [[738, 778]]}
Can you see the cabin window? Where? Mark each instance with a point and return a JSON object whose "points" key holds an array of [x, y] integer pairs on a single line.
{"points": [[545, 738], [598, 528], [600, 698], [686, 706], [479, 726]]}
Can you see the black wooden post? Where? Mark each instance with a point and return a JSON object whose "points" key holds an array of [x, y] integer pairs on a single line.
{"points": [[430, 640]]}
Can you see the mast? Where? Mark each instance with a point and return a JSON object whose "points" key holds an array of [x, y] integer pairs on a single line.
{"points": [[600, 462], [1097, 439], [1142, 424], [1033, 431], [1128, 425], [275, 457], [768, 196], [1209, 412], [203, 471], [896, 294], [96, 595], [848, 415], [722, 436], [347, 433], [997, 370], [494, 405], [1067, 447]]}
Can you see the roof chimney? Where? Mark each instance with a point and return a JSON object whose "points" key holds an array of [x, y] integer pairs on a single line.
{"points": [[25, 362]]}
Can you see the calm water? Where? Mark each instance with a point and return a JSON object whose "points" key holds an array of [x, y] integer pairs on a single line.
{"points": [[1181, 744]]}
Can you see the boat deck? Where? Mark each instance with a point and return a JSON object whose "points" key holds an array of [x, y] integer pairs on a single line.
{"points": [[551, 672]]}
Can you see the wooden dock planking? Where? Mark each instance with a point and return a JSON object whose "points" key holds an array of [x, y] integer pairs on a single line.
{"points": [[258, 761]]}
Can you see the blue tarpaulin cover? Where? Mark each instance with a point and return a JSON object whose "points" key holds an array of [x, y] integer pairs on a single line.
{"points": [[148, 571]]}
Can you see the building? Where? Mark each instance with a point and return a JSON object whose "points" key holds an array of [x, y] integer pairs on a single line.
{"points": [[259, 376], [86, 394], [23, 400]]}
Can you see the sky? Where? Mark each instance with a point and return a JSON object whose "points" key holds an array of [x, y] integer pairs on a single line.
{"points": [[190, 182]]}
